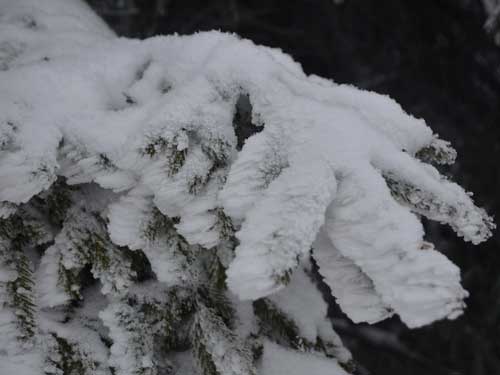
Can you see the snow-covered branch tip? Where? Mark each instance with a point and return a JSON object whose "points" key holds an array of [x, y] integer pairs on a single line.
{"points": [[209, 169]]}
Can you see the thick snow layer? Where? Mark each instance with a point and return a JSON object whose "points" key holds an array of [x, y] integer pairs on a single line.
{"points": [[49, 292], [419, 283], [352, 288], [132, 344], [333, 168], [128, 221], [89, 347], [281, 228], [228, 353], [277, 360], [303, 303]]}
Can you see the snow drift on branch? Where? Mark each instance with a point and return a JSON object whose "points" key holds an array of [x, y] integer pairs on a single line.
{"points": [[329, 168]]}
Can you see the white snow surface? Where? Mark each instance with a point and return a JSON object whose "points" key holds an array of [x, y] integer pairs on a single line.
{"points": [[78, 102], [278, 361], [303, 303], [15, 358], [352, 288]]}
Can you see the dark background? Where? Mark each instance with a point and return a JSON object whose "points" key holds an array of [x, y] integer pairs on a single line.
{"points": [[433, 57]]}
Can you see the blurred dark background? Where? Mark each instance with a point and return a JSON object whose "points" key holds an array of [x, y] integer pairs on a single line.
{"points": [[437, 60]]}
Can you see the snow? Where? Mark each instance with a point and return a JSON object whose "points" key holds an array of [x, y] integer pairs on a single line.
{"points": [[127, 351], [304, 304], [128, 220], [15, 358], [228, 353], [184, 363], [278, 361], [67, 251], [317, 136], [351, 287], [333, 169], [280, 229], [421, 285], [49, 292], [251, 173], [90, 347]]}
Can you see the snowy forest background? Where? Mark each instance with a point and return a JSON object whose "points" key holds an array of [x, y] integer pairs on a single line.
{"points": [[439, 61]]}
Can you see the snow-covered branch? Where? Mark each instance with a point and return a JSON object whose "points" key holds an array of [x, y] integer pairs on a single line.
{"points": [[211, 169]]}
